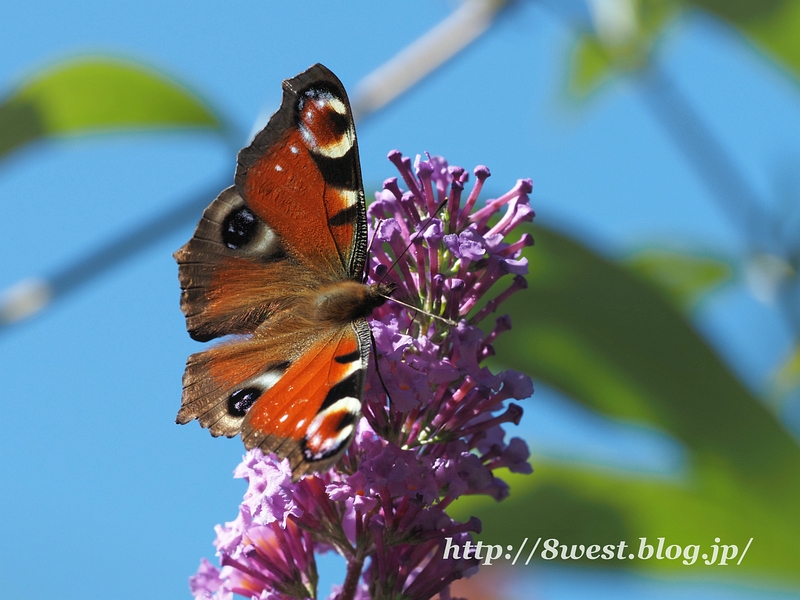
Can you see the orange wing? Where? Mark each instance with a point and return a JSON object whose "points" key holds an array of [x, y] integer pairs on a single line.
{"points": [[302, 175], [309, 415], [287, 389]]}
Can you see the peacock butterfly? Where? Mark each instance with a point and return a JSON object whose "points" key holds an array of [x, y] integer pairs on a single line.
{"points": [[277, 260]]}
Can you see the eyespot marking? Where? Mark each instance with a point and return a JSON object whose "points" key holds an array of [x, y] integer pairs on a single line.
{"points": [[331, 429], [324, 123], [242, 400], [242, 230], [239, 228]]}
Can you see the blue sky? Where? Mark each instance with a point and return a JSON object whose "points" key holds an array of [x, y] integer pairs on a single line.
{"points": [[101, 494]]}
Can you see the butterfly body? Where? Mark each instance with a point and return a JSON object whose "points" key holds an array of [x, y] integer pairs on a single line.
{"points": [[277, 259]]}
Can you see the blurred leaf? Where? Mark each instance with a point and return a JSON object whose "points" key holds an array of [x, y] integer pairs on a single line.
{"points": [[684, 277], [621, 41], [788, 375], [598, 333], [772, 25], [578, 505], [590, 66], [97, 94]]}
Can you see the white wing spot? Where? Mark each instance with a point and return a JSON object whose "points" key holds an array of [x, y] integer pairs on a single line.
{"points": [[350, 197], [266, 380], [336, 104], [266, 241], [335, 149]]}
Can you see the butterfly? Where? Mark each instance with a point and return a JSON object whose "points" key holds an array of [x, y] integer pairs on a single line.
{"points": [[277, 260]]}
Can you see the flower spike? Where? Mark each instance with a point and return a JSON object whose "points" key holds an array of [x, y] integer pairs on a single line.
{"points": [[432, 429]]}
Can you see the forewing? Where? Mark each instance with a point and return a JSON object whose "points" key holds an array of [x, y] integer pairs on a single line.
{"points": [[302, 175]]}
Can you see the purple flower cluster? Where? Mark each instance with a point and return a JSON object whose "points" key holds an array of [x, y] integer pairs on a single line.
{"points": [[431, 430]]}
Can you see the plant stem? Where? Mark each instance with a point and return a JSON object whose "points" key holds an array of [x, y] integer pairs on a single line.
{"points": [[354, 567]]}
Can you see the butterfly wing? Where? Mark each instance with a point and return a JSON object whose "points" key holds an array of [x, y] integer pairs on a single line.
{"points": [[288, 392], [303, 168], [311, 413], [295, 218]]}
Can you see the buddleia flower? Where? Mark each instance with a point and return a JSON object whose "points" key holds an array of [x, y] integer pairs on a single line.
{"points": [[432, 429]]}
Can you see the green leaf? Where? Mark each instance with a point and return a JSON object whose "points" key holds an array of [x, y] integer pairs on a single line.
{"points": [[590, 66], [788, 376], [578, 505], [741, 10], [97, 94], [684, 278], [592, 329], [772, 25], [620, 44]]}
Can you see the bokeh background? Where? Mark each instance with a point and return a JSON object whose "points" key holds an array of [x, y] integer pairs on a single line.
{"points": [[661, 323]]}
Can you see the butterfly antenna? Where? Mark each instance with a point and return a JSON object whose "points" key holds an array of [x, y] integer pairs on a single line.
{"points": [[424, 312], [372, 241]]}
